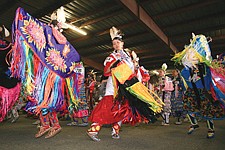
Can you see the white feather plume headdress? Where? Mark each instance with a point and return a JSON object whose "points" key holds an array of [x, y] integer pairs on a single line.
{"points": [[164, 66], [60, 16], [115, 33], [134, 56], [5, 30]]}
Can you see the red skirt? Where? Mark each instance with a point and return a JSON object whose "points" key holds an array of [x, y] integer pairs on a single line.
{"points": [[108, 112]]}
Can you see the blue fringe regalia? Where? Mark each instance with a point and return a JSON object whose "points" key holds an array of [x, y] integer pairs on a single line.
{"points": [[202, 96]]}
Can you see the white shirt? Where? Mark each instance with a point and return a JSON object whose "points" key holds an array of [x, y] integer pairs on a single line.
{"points": [[123, 57]]}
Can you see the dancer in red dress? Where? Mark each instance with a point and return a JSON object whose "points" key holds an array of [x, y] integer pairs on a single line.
{"points": [[114, 108]]}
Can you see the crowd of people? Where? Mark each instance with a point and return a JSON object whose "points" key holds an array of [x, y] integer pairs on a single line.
{"points": [[46, 78]]}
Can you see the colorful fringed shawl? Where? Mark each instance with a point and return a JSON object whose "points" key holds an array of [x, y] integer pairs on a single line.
{"points": [[198, 51], [122, 73], [45, 62]]}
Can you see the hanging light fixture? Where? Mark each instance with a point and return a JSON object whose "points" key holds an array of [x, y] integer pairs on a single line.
{"points": [[76, 29]]}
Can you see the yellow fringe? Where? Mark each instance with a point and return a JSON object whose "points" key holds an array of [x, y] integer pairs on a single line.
{"points": [[144, 94], [122, 72]]}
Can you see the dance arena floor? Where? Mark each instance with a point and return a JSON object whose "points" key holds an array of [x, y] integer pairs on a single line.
{"points": [[20, 136]]}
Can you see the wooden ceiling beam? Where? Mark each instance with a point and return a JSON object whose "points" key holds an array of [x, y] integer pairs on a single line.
{"points": [[121, 27], [195, 21], [214, 39], [139, 52], [222, 45], [99, 53], [182, 38], [182, 35], [153, 56], [100, 33], [89, 22], [144, 2], [155, 61], [92, 63], [7, 5], [159, 63], [158, 66], [183, 9], [103, 55], [143, 16], [50, 8], [221, 37], [108, 42], [198, 31], [97, 10]]}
